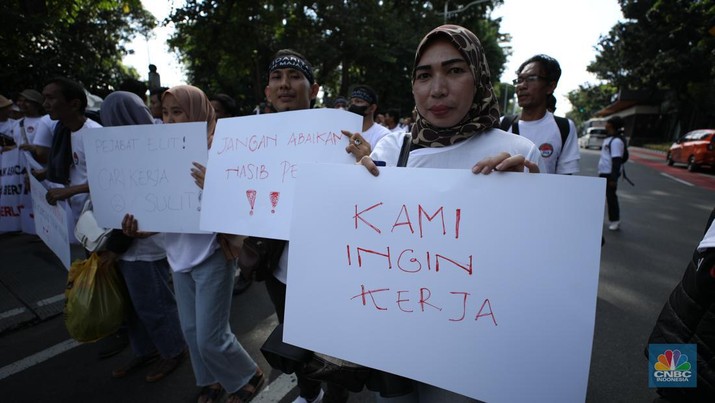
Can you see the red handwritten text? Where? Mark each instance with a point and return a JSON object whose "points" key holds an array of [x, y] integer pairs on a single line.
{"points": [[251, 143], [403, 219], [330, 138], [408, 260]]}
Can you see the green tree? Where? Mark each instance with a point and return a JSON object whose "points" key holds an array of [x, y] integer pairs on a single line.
{"points": [[663, 44], [80, 39], [349, 42], [589, 99]]}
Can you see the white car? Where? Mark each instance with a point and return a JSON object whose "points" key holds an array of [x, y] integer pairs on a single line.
{"points": [[593, 138]]}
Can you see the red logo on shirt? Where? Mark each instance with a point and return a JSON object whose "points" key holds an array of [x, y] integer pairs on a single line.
{"points": [[30, 129], [546, 150]]}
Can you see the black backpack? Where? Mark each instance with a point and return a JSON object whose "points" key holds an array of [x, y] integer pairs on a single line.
{"points": [[513, 122], [625, 147]]}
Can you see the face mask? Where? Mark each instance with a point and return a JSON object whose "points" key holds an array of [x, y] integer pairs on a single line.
{"points": [[360, 110]]}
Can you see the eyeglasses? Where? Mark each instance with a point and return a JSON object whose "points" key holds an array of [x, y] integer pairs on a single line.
{"points": [[528, 79]]}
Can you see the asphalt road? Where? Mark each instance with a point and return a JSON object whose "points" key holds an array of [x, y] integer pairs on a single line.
{"points": [[662, 220]]}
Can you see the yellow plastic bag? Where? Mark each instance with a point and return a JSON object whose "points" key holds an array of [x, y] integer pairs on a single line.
{"points": [[95, 299]]}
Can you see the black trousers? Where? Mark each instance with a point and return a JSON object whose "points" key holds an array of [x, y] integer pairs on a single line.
{"points": [[614, 212]]}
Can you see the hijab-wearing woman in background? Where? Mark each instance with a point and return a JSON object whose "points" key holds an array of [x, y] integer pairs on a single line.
{"points": [[456, 128], [203, 283], [153, 324]]}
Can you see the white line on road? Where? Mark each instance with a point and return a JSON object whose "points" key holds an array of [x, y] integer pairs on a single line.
{"points": [[277, 390], [676, 179], [37, 358], [40, 303]]}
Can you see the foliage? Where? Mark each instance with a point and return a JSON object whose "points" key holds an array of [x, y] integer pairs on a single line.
{"points": [[348, 42], [663, 44], [79, 39], [589, 99]]}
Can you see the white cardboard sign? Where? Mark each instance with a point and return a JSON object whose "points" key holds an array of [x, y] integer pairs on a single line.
{"points": [[483, 285], [253, 163], [51, 222], [145, 170]]}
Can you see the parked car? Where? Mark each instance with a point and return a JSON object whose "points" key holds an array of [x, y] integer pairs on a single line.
{"points": [[593, 138], [695, 148]]}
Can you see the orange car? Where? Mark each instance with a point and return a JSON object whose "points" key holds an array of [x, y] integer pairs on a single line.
{"points": [[695, 148]]}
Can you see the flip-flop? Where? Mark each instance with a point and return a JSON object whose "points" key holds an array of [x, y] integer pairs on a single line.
{"points": [[249, 390]]}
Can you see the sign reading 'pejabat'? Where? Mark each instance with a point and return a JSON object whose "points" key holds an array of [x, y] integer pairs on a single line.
{"points": [[145, 170], [449, 278], [253, 163]]}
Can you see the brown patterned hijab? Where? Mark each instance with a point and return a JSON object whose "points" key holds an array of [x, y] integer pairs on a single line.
{"points": [[484, 113]]}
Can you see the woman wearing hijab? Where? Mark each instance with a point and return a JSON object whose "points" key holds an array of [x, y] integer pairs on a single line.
{"points": [[153, 323], [457, 112], [203, 282], [456, 126]]}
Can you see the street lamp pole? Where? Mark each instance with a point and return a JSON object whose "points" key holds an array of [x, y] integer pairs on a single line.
{"points": [[460, 9]]}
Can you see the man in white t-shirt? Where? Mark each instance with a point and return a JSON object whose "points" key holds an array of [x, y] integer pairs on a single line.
{"points": [[65, 101], [392, 121], [557, 141], [32, 134], [363, 101], [610, 167]]}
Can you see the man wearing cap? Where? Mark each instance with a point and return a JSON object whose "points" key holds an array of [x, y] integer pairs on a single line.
{"points": [[32, 133], [363, 101]]}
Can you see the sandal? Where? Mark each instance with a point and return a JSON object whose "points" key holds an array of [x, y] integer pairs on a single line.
{"points": [[211, 394], [135, 364], [249, 390]]}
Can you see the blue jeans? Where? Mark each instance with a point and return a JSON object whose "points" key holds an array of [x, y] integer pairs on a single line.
{"points": [[204, 295], [153, 324]]}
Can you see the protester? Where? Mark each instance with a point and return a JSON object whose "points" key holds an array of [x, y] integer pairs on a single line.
{"points": [[155, 103], [609, 167], [363, 101], [203, 281], [66, 101], [456, 127], [392, 120], [153, 321], [291, 86], [32, 134], [224, 106], [688, 317], [6, 123], [340, 103], [556, 137]]}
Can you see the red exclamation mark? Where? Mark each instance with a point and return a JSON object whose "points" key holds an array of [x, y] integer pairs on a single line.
{"points": [[251, 195], [184, 146], [274, 201]]}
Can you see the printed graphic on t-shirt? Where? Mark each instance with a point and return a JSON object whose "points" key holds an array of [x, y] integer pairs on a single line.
{"points": [[546, 150], [30, 129], [75, 158]]}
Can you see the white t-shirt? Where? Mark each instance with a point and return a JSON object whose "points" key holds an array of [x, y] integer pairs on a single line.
{"points": [[78, 169], [610, 150], [558, 158], [36, 130], [184, 251], [7, 127], [709, 239], [462, 155], [375, 133], [145, 249]]}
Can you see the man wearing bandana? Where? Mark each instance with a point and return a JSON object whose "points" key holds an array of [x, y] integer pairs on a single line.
{"points": [[363, 101], [291, 86]]}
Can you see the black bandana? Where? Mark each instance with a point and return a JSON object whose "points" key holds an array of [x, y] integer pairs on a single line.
{"points": [[365, 94], [292, 62]]}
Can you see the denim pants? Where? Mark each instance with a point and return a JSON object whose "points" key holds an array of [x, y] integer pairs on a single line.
{"points": [[203, 296], [153, 324]]}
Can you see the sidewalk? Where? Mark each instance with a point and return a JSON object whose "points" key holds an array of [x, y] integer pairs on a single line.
{"points": [[32, 281]]}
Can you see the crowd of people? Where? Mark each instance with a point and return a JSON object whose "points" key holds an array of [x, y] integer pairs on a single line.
{"points": [[455, 124]]}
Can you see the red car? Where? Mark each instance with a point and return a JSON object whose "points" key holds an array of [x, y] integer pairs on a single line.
{"points": [[695, 148]]}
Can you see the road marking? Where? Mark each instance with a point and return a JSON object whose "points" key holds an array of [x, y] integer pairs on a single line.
{"points": [[676, 179], [40, 303], [44, 355], [277, 390]]}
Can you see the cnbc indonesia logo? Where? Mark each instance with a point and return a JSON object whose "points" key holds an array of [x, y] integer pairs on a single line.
{"points": [[672, 367]]}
